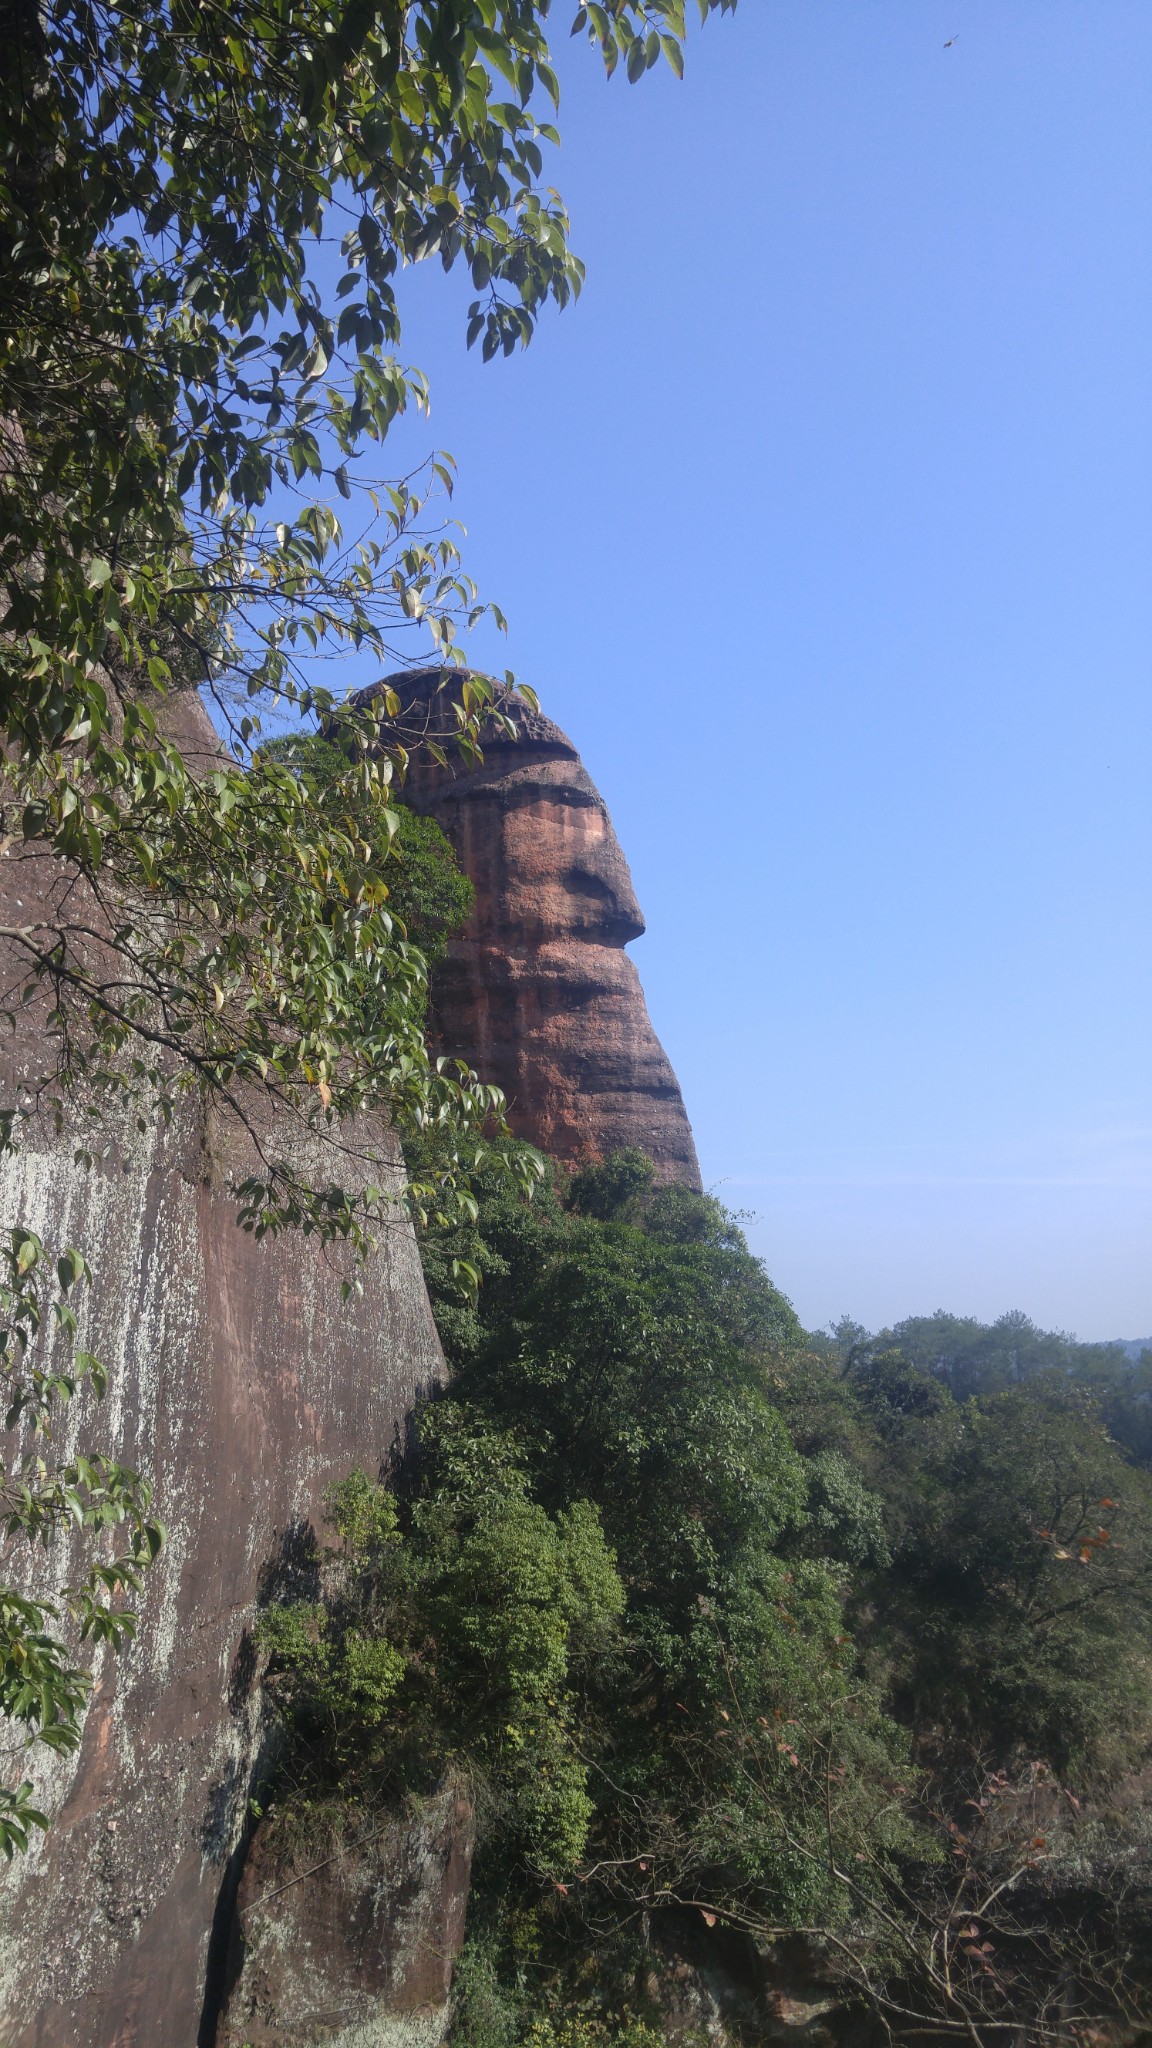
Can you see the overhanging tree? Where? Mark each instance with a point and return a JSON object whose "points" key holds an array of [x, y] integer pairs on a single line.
{"points": [[181, 380], [189, 401]]}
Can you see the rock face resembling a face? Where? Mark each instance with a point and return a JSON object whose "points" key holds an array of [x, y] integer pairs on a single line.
{"points": [[538, 993]]}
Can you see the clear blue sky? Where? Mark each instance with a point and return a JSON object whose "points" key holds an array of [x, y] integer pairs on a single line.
{"points": [[823, 524]]}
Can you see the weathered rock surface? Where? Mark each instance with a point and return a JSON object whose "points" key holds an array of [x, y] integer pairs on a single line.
{"points": [[538, 993], [717, 1985], [354, 1950], [242, 1385]]}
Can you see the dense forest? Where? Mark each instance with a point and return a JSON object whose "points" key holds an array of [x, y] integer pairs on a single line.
{"points": [[970, 1357]]}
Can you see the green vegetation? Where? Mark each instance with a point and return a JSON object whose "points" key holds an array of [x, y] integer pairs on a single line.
{"points": [[727, 1629], [735, 1629], [44, 1689], [1015, 1606], [426, 891], [992, 1358], [188, 397], [454, 1641]]}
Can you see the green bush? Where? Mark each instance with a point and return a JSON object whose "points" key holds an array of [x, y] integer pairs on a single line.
{"points": [[627, 1344], [450, 1644]]}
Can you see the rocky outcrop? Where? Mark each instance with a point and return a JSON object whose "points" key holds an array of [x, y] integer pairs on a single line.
{"points": [[242, 1384], [352, 1946], [538, 993], [716, 1985]]}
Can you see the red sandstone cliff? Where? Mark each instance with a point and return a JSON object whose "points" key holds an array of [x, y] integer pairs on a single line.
{"points": [[242, 1384], [538, 993]]}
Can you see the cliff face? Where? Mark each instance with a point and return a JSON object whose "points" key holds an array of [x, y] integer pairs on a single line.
{"points": [[242, 1385], [538, 993]]}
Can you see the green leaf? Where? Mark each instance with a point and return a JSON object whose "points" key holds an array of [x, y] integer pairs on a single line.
{"points": [[28, 1250], [316, 362]]}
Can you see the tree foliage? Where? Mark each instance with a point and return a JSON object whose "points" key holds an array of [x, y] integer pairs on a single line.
{"points": [[627, 1343], [168, 172], [186, 395], [875, 1670], [697, 1734], [974, 1358], [428, 893], [451, 1644], [1011, 1608]]}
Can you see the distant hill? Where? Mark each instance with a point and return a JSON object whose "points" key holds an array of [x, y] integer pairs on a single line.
{"points": [[981, 1359]]}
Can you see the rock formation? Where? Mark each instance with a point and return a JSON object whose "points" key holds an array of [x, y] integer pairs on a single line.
{"points": [[242, 1384], [538, 993], [356, 1946]]}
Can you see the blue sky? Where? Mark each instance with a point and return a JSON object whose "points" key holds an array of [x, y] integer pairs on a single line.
{"points": [[823, 525]]}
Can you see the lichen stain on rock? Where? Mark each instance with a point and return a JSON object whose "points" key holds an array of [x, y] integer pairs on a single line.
{"points": [[354, 1948], [241, 1385]]}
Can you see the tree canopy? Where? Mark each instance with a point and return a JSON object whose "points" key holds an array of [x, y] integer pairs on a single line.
{"points": [[830, 1649]]}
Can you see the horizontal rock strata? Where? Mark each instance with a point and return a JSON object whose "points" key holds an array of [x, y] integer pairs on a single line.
{"points": [[538, 993]]}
